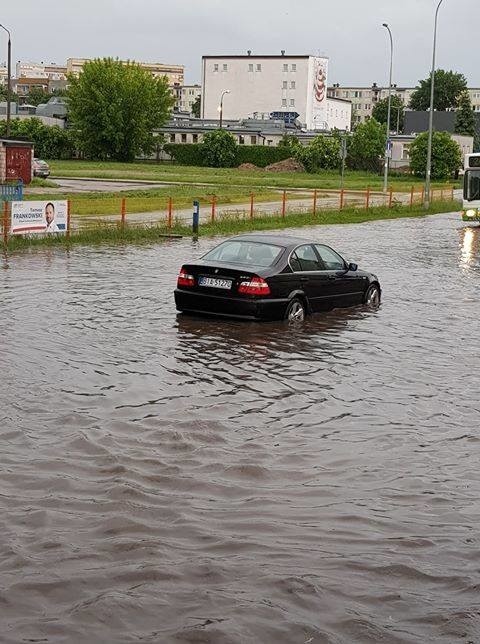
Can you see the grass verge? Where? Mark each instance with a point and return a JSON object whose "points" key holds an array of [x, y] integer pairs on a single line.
{"points": [[327, 179], [228, 225]]}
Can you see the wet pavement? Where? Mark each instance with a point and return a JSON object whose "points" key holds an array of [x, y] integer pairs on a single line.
{"points": [[179, 479]]}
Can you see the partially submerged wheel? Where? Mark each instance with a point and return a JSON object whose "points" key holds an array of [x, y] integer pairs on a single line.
{"points": [[295, 311], [372, 296]]}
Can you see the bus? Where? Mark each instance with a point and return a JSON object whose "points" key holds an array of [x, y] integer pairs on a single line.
{"points": [[471, 188]]}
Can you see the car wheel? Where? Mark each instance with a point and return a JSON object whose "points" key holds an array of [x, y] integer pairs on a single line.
{"points": [[372, 296], [295, 311]]}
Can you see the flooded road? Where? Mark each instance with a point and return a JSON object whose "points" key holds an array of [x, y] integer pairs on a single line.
{"points": [[175, 479]]}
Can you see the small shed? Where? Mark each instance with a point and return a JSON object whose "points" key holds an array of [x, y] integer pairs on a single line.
{"points": [[16, 158]]}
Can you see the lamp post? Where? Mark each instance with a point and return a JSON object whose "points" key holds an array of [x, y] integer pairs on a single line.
{"points": [[428, 172], [220, 107], [9, 78], [387, 151]]}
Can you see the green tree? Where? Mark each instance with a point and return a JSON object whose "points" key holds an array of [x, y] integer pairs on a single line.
{"points": [[196, 106], [322, 153], [289, 143], [115, 107], [367, 146], [397, 112], [465, 118], [446, 155], [446, 92], [38, 95], [50, 142], [218, 149]]}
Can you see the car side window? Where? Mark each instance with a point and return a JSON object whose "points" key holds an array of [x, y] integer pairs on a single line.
{"points": [[305, 259], [331, 259]]}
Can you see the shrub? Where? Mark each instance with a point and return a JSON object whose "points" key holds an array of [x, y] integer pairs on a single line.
{"points": [[446, 155], [261, 155], [323, 153], [219, 149], [185, 153]]}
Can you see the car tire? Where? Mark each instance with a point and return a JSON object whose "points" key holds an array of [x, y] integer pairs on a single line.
{"points": [[296, 310], [372, 296]]}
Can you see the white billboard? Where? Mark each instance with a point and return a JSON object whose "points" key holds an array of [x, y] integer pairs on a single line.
{"points": [[316, 115], [30, 217]]}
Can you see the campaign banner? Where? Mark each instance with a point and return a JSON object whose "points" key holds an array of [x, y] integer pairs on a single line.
{"points": [[39, 217]]}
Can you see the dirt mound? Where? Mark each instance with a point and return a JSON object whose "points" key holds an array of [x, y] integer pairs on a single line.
{"points": [[287, 165], [248, 166]]}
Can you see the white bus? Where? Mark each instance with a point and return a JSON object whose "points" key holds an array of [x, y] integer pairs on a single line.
{"points": [[471, 188]]}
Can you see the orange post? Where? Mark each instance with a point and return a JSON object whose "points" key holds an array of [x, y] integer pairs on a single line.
{"points": [[68, 220], [170, 209], [411, 196], [124, 211], [284, 203], [314, 203], [214, 201], [367, 199], [452, 193], [390, 198], [251, 205], [5, 223], [423, 194], [431, 195], [342, 193]]}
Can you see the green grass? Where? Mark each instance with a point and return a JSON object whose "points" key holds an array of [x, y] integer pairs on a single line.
{"points": [[327, 179], [38, 182], [108, 234], [109, 203]]}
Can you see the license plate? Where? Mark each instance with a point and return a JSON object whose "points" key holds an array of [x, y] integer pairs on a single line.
{"points": [[215, 282]]}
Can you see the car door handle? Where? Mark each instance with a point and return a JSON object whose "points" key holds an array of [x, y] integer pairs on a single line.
{"points": [[304, 280], [331, 277]]}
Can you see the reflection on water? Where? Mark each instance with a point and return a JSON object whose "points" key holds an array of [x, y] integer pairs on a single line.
{"points": [[470, 247], [170, 478]]}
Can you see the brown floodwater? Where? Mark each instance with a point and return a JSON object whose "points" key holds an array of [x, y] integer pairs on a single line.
{"points": [[176, 479]]}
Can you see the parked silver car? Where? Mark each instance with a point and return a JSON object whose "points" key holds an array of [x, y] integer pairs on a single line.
{"points": [[40, 168]]}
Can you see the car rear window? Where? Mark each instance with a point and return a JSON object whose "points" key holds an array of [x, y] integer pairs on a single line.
{"points": [[245, 252]]}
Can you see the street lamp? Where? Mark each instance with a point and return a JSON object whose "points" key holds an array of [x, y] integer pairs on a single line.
{"points": [[426, 198], [220, 107], [9, 78], [387, 151]]}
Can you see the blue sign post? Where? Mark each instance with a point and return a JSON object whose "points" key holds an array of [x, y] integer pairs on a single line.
{"points": [[196, 217]]}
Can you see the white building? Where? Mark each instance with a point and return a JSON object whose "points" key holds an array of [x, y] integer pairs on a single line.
{"points": [[185, 97], [261, 85]]}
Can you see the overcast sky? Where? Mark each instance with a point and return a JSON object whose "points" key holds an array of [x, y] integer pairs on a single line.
{"points": [[349, 32]]}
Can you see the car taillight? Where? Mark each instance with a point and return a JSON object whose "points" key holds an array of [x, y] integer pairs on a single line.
{"points": [[256, 286], [184, 279]]}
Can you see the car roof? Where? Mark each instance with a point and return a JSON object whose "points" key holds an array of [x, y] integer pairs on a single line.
{"points": [[270, 238]]}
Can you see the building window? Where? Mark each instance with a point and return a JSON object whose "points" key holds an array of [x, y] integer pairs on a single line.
{"points": [[172, 138], [184, 138], [253, 140], [285, 68], [294, 67], [292, 85], [215, 67], [195, 138], [292, 102], [345, 94], [225, 67], [259, 67], [284, 85], [241, 139], [284, 102], [250, 67]]}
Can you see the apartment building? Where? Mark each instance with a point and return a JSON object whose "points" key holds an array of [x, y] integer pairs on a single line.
{"points": [[364, 99], [259, 86], [185, 97], [174, 73], [51, 71]]}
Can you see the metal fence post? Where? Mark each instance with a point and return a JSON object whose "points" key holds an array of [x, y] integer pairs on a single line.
{"points": [[314, 202], [251, 205], [284, 203], [68, 220], [124, 211]]}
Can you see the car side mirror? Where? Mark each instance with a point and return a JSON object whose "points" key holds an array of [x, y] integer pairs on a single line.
{"points": [[352, 266]]}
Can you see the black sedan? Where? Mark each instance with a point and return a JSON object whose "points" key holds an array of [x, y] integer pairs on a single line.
{"points": [[265, 277]]}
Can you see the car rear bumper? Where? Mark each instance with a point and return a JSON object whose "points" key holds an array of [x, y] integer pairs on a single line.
{"points": [[249, 308]]}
